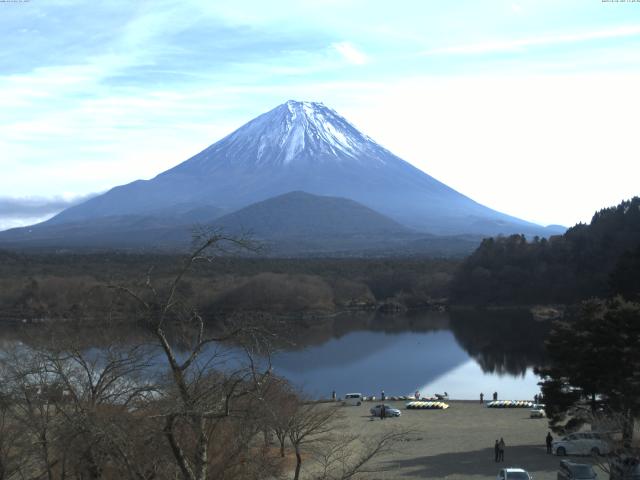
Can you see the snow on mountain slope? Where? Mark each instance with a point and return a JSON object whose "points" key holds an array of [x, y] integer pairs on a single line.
{"points": [[304, 146], [292, 132]]}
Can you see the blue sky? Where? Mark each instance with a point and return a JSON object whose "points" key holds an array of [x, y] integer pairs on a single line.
{"points": [[529, 107]]}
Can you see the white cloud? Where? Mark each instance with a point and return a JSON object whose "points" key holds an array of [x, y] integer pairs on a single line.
{"points": [[519, 44], [350, 53]]}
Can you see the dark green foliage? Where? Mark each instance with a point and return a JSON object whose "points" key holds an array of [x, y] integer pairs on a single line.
{"points": [[594, 361], [625, 278], [563, 269]]}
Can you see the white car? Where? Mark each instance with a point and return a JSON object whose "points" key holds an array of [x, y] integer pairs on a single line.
{"points": [[537, 411], [513, 473], [581, 443], [388, 410], [353, 399]]}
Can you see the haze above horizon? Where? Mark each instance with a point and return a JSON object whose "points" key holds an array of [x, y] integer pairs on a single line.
{"points": [[527, 107]]}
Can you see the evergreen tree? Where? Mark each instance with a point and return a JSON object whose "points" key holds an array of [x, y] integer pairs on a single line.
{"points": [[625, 278], [594, 366]]}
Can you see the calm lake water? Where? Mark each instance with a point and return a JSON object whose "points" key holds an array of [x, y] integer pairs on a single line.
{"points": [[462, 353]]}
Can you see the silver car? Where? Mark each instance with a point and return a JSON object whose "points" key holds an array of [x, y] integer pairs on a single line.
{"points": [[388, 411]]}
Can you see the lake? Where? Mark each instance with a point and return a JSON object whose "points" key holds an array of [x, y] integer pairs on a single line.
{"points": [[463, 353]]}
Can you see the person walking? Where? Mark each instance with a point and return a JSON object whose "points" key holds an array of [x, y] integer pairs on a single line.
{"points": [[481, 397], [501, 446], [496, 450], [383, 412], [549, 442]]}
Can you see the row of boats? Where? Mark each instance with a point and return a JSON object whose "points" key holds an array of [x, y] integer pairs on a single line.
{"points": [[421, 405], [510, 404]]}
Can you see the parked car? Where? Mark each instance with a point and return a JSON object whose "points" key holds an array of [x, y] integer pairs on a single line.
{"points": [[513, 473], [574, 471], [581, 443], [354, 399], [388, 410], [537, 411]]}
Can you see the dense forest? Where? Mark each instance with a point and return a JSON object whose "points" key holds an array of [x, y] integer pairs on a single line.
{"points": [[73, 286], [587, 261]]}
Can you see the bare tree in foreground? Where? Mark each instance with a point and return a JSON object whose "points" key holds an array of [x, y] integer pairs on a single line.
{"points": [[316, 432], [349, 456], [206, 387]]}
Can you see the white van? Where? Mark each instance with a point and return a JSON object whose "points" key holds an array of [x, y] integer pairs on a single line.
{"points": [[353, 399]]}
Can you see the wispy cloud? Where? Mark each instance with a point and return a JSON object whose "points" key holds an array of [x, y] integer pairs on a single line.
{"points": [[520, 44], [350, 53], [21, 207]]}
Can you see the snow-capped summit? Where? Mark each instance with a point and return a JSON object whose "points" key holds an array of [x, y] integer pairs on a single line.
{"points": [[292, 132], [306, 147]]}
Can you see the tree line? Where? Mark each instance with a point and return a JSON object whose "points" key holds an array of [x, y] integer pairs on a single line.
{"points": [[594, 260]]}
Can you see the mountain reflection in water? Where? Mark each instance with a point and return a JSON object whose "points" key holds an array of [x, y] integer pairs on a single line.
{"points": [[462, 352]]}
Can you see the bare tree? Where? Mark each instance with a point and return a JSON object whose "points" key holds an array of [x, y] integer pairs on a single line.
{"points": [[101, 393], [13, 439], [206, 387], [70, 403], [315, 429], [28, 385], [349, 456], [281, 403], [309, 424]]}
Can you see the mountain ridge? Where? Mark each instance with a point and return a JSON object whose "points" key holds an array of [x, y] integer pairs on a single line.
{"points": [[299, 146]]}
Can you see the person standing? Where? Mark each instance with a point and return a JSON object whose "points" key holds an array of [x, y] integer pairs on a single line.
{"points": [[481, 397], [496, 450], [383, 412], [501, 446], [333, 395], [549, 442], [383, 397], [495, 396]]}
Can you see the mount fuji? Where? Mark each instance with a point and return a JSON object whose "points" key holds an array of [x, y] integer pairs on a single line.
{"points": [[296, 147]]}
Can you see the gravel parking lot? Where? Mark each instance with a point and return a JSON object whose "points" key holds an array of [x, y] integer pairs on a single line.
{"points": [[457, 443]]}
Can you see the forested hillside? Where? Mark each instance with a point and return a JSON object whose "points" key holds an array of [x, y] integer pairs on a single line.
{"points": [[588, 260]]}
